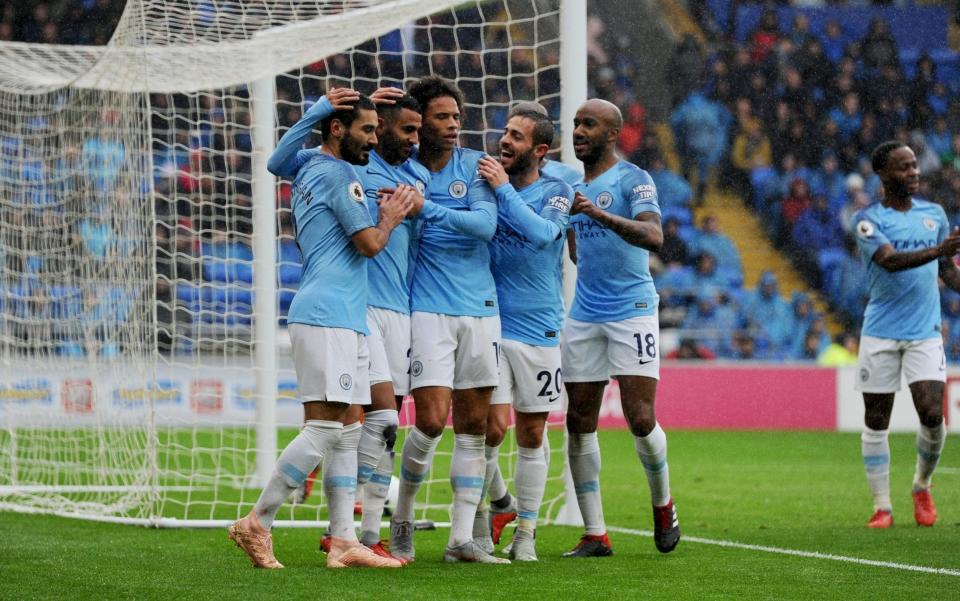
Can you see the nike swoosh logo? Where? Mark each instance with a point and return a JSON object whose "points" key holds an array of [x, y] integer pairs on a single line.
{"points": [[641, 362], [553, 399]]}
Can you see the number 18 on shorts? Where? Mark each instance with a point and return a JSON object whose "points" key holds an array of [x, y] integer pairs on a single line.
{"points": [[593, 352]]}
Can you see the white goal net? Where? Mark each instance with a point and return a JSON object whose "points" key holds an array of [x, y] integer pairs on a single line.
{"points": [[147, 258]]}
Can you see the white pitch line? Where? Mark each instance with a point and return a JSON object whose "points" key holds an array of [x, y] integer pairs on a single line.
{"points": [[948, 470], [808, 554]]}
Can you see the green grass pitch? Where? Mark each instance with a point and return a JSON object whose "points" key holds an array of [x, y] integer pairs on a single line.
{"points": [[785, 490]]}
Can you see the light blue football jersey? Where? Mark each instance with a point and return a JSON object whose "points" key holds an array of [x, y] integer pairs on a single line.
{"points": [[451, 275], [561, 171], [613, 277], [389, 270], [289, 156], [328, 209], [527, 259], [903, 305]]}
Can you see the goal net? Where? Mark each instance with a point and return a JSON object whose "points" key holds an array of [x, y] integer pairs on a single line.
{"points": [[147, 259]]}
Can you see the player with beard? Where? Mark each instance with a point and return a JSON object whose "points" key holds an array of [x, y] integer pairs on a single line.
{"points": [[613, 329], [388, 304], [905, 243], [455, 324], [527, 254], [554, 169], [327, 325]]}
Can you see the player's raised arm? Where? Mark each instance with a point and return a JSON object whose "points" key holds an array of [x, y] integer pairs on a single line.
{"points": [[394, 208], [288, 156], [541, 229]]}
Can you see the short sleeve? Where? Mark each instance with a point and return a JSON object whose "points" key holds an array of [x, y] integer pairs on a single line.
{"points": [[869, 236], [344, 194], [640, 192]]}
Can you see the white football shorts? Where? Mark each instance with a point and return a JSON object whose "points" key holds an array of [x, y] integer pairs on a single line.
{"points": [[593, 352], [882, 360], [332, 364], [389, 343], [529, 377], [456, 351]]}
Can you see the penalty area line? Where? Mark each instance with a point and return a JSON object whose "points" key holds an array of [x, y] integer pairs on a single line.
{"points": [[796, 553]]}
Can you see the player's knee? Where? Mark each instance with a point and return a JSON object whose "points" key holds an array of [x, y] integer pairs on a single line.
{"points": [[495, 436], [931, 418], [578, 423]]}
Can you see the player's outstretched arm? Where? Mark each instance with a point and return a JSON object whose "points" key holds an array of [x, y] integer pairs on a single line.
{"points": [[644, 230], [287, 158], [393, 209], [948, 268], [541, 230], [479, 222]]}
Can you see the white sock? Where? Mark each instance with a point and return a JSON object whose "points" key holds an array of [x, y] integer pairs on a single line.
{"points": [[929, 446], [493, 484], [530, 481], [340, 482], [375, 493], [584, 455], [298, 459], [652, 450], [377, 427], [876, 460], [467, 467], [415, 462]]}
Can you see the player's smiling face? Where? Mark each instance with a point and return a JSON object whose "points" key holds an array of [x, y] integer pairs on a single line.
{"points": [[901, 176], [360, 138], [398, 136], [516, 145], [590, 135], [441, 123]]}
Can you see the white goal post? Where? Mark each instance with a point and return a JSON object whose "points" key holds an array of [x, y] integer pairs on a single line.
{"points": [[146, 254]]}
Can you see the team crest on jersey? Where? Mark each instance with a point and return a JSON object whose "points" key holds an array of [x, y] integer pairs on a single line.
{"points": [[416, 368], [864, 374], [561, 203], [930, 224], [420, 186], [865, 228], [356, 191], [346, 382], [458, 189], [604, 200]]}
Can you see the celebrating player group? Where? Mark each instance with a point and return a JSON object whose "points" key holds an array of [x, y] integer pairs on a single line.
{"points": [[436, 270]]}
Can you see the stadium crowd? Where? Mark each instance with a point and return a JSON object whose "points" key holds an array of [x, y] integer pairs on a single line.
{"points": [[785, 118]]}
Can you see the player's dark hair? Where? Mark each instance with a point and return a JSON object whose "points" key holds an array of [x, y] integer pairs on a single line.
{"points": [[346, 116], [542, 126], [527, 105], [426, 89], [880, 154], [390, 111]]}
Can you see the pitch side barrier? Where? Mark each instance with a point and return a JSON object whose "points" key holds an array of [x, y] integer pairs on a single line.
{"points": [[695, 395]]}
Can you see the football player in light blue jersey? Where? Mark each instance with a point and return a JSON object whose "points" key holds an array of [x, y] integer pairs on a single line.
{"points": [[456, 330], [388, 301], [613, 329], [554, 169], [527, 254], [327, 329], [906, 244]]}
